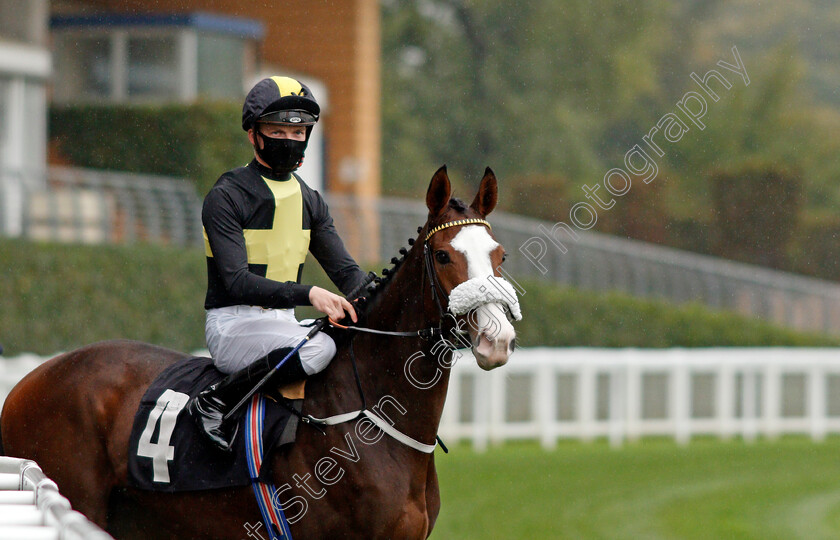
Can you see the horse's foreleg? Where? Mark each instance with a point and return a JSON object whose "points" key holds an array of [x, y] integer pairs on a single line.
{"points": [[432, 494], [413, 523]]}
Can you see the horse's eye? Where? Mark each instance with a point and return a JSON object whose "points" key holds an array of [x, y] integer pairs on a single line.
{"points": [[504, 257], [442, 256]]}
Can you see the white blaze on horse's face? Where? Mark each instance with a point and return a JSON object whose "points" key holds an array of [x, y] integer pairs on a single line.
{"points": [[491, 333]]}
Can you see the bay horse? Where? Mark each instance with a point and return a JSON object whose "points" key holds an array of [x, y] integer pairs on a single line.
{"points": [[74, 413]]}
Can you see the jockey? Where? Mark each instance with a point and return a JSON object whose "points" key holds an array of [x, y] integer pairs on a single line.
{"points": [[259, 222]]}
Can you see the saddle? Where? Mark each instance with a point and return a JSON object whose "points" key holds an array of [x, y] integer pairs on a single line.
{"points": [[166, 451]]}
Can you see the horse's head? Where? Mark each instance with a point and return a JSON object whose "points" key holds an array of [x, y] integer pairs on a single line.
{"points": [[463, 257]]}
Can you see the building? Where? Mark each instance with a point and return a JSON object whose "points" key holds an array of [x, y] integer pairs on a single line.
{"points": [[161, 49], [336, 43], [25, 68]]}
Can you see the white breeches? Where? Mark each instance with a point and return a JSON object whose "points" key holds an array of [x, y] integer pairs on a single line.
{"points": [[240, 335]]}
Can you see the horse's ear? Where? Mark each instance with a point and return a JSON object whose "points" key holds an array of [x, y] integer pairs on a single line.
{"points": [[488, 194], [437, 197]]}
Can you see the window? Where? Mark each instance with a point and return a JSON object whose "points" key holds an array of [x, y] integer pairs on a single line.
{"points": [[221, 66], [153, 67], [152, 57], [92, 61]]}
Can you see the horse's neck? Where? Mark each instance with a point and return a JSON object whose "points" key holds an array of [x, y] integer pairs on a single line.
{"points": [[397, 372], [408, 369]]}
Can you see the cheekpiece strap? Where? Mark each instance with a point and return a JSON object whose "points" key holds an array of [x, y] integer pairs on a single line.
{"points": [[471, 221]]}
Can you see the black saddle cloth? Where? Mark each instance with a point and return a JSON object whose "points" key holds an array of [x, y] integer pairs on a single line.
{"points": [[165, 459]]}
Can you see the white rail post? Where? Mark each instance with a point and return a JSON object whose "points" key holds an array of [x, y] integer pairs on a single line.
{"points": [[749, 421], [587, 394], [725, 398], [817, 405], [546, 408], [772, 400], [633, 396], [680, 397], [618, 402]]}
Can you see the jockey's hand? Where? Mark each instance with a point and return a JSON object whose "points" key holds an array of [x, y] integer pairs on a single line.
{"points": [[331, 304]]}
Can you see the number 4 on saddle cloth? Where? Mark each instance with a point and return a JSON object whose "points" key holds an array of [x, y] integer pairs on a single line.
{"points": [[166, 451]]}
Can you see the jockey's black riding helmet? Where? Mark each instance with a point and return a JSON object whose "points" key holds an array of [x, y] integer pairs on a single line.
{"points": [[280, 100]]}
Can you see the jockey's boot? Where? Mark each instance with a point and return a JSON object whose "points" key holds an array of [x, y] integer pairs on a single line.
{"points": [[209, 408]]}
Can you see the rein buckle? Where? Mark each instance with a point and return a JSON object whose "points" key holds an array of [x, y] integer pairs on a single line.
{"points": [[429, 333]]}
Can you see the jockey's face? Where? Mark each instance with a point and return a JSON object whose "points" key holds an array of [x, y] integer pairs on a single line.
{"points": [[279, 131]]}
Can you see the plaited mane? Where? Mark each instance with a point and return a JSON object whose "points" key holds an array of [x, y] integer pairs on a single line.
{"points": [[381, 283]]}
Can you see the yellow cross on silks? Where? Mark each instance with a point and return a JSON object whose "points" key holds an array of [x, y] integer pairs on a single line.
{"points": [[283, 247]]}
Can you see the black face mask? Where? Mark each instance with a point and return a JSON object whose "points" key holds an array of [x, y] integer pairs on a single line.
{"points": [[282, 155]]}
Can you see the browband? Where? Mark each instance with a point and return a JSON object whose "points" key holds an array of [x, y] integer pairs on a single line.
{"points": [[470, 221]]}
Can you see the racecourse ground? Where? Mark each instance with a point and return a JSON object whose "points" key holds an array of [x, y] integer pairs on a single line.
{"points": [[785, 489]]}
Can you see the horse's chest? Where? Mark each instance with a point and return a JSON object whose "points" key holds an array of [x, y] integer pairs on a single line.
{"points": [[367, 499]]}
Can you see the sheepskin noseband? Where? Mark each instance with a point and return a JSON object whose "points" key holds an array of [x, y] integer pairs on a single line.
{"points": [[484, 290]]}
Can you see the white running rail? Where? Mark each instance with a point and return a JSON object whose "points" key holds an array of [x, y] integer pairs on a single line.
{"points": [[31, 508], [624, 394]]}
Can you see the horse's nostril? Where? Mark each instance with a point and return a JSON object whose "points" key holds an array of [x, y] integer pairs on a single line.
{"points": [[512, 344]]}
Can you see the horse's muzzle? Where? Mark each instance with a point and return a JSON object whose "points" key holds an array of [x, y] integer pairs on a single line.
{"points": [[495, 339]]}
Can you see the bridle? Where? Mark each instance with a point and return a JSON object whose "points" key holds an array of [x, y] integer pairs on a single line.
{"points": [[425, 333], [432, 332], [429, 263]]}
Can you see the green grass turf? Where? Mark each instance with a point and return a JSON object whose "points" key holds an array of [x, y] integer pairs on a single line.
{"points": [[785, 489]]}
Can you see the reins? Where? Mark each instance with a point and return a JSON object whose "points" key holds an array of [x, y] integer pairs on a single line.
{"points": [[423, 333], [431, 332]]}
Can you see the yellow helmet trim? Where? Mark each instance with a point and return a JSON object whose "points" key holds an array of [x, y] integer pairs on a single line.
{"points": [[287, 86]]}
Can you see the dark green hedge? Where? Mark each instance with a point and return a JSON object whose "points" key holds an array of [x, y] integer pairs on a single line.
{"points": [[585, 319], [57, 297], [198, 141]]}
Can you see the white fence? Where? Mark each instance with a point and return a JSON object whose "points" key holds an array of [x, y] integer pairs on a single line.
{"points": [[31, 508], [625, 394], [621, 394]]}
